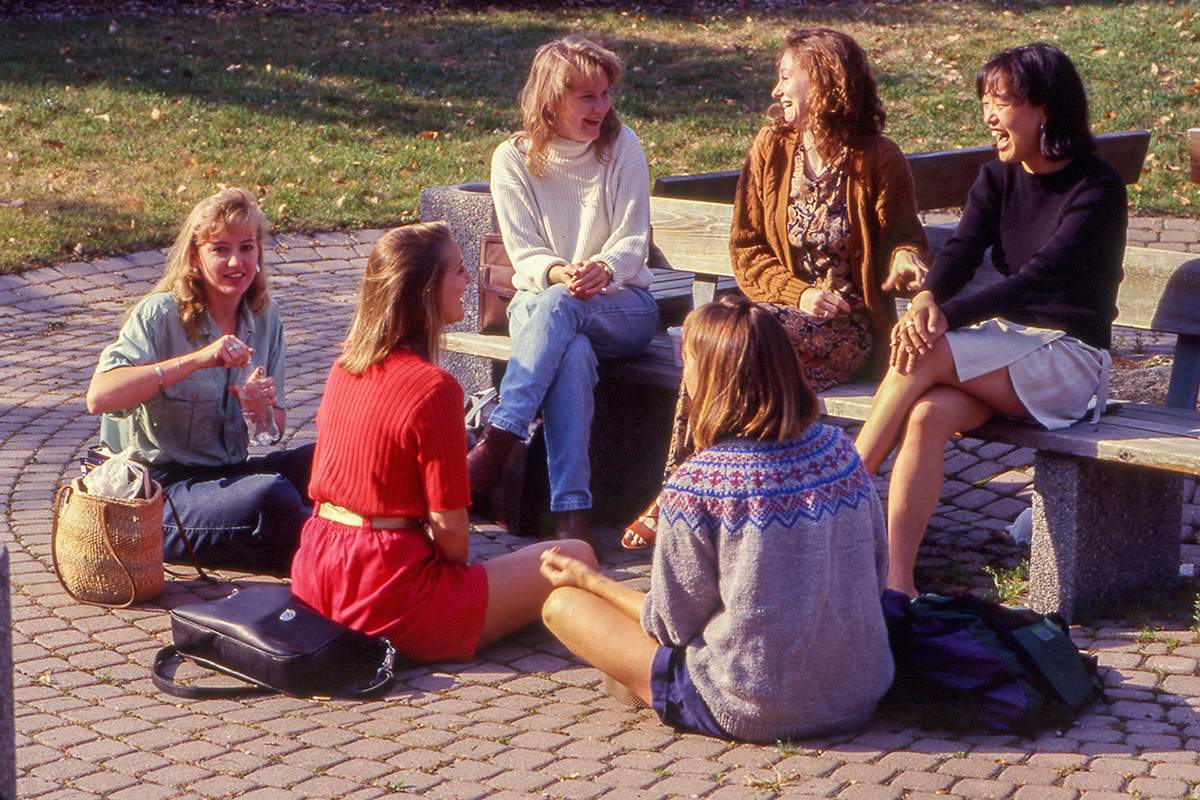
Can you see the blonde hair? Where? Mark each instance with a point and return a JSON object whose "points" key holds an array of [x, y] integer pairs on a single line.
{"points": [[399, 299], [843, 99], [749, 380], [182, 277], [558, 69]]}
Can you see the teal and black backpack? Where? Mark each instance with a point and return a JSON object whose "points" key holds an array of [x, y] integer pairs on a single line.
{"points": [[966, 663]]}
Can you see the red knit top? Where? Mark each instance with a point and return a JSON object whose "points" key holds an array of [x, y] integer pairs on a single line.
{"points": [[391, 442]]}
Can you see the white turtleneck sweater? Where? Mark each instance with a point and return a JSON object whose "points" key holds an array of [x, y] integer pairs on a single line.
{"points": [[581, 210]]}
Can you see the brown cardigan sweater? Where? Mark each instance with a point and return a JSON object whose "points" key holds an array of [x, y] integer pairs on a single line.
{"points": [[883, 218]]}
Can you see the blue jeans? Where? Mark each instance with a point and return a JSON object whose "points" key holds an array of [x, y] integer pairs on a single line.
{"points": [[244, 516], [556, 339]]}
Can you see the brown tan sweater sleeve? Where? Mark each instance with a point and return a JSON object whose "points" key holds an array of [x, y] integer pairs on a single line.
{"points": [[758, 245]]}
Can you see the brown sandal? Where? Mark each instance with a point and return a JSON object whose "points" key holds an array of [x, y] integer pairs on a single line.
{"points": [[642, 532]]}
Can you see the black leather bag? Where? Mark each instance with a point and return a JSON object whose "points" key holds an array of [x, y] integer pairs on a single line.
{"points": [[269, 638]]}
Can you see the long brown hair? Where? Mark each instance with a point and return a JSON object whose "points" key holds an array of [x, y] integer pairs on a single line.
{"points": [[558, 69], [749, 381], [399, 299], [182, 277], [843, 99]]}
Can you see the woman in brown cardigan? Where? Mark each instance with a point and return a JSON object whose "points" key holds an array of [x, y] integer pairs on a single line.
{"points": [[824, 223]]}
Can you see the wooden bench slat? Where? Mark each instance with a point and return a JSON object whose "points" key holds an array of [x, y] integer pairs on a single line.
{"points": [[1159, 292], [942, 177]]}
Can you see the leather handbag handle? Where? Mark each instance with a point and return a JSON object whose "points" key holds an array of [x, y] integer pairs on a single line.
{"points": [[170, 686]]}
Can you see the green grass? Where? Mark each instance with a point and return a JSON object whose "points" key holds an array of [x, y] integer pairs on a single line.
{"points": [[108, 135], [1010, 583]]}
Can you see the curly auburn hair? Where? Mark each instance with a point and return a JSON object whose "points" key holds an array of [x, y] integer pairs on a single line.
{"points": [[843, 99]]}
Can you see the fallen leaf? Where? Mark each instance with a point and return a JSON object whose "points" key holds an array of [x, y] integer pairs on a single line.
{"points": [[4, 109], [103, 117], [341, 201], [12, 203], [156, 114], [427, 135], [180, 189], [315, 159], [55, 143], [234, 68], [112, 27]]}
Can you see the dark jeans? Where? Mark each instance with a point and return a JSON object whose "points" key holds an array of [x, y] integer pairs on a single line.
{"points": [[245, 516]]}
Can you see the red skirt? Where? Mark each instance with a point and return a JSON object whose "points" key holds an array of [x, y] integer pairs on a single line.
{"points": [[393, 584]]}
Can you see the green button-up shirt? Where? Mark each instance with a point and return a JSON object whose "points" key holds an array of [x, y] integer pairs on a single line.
{"points": [[196, 422]]}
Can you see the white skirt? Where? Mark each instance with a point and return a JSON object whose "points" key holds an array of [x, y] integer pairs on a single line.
{"points": [[1055, 375]]}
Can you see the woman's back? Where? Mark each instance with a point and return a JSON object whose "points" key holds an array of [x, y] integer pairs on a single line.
{"points": [[391, 441], [770, 563]]}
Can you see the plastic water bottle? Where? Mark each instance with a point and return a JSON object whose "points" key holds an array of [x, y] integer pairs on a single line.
{"points": [[259, 414]]}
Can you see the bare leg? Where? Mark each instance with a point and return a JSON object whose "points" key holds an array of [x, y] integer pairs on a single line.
{"points": [[517, 589], [895, 398], [898, 393], [916, 482], [603, 635]]}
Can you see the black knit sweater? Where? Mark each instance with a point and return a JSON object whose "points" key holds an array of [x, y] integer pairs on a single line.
{"points": [[1058, 240]]}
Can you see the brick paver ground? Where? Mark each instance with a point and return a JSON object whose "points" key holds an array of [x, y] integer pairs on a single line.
{"points": [[525, 719]]}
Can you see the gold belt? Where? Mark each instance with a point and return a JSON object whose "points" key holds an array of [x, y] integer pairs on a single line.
{"points": [[338, 514]]}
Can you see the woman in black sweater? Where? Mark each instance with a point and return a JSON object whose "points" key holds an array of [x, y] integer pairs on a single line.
{"points": [[1032, 346]]}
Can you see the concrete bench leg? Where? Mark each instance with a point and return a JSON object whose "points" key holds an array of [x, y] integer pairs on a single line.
{"points": [[1104, 534]]}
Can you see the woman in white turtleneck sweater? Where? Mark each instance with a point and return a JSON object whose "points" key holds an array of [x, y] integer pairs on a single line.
{"points": [[572, 195]]}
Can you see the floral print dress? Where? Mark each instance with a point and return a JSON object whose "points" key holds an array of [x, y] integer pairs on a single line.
{"points": [[831, 349]]}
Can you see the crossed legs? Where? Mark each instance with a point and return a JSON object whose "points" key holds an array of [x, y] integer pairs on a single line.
{"points": [[922, 411]]}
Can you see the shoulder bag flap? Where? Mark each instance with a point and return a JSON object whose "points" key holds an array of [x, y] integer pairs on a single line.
{"points": [[495, 285]]}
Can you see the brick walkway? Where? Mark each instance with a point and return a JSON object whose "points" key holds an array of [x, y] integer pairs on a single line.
{"points": [[525, 719]]}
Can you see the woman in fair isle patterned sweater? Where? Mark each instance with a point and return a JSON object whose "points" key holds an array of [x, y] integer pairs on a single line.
{"points": [[763, 619]]}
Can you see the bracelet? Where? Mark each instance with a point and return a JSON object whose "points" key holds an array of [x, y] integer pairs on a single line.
{"points": [[158, 373]]}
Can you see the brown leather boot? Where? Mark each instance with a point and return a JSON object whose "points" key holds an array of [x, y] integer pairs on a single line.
{"points": [[485, 462], [573, 525]]}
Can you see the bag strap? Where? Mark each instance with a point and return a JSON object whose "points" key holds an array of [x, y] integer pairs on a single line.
{"points": [[58, 500], [171, 686], [187, 543], [382, 681]]}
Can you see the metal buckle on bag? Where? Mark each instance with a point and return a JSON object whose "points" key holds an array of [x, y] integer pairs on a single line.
{"points": [[389, 658]]}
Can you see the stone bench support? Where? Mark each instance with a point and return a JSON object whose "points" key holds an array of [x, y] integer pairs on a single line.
{"points": [[1089, 515]]}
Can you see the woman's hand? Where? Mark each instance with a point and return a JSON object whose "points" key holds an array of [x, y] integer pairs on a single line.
{"points": [[821, 303], [226, 352], [563, 570], [907, 274], [266, 393], [922, 324], [585, 280]]}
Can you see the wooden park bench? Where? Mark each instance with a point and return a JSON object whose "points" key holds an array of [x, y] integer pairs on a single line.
{"points": [[1107, 502]]}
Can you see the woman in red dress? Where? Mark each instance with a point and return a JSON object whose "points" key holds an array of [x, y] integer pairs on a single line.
{"points": [[386, 550]]}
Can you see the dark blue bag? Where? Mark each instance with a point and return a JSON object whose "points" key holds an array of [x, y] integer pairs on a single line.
{"points": [[966, 663]]}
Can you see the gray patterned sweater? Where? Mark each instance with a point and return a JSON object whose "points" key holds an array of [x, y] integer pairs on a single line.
{"points": [[769, 565]]}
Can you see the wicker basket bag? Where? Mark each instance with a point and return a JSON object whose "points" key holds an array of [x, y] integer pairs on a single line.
{"points": [[108, 551]]}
